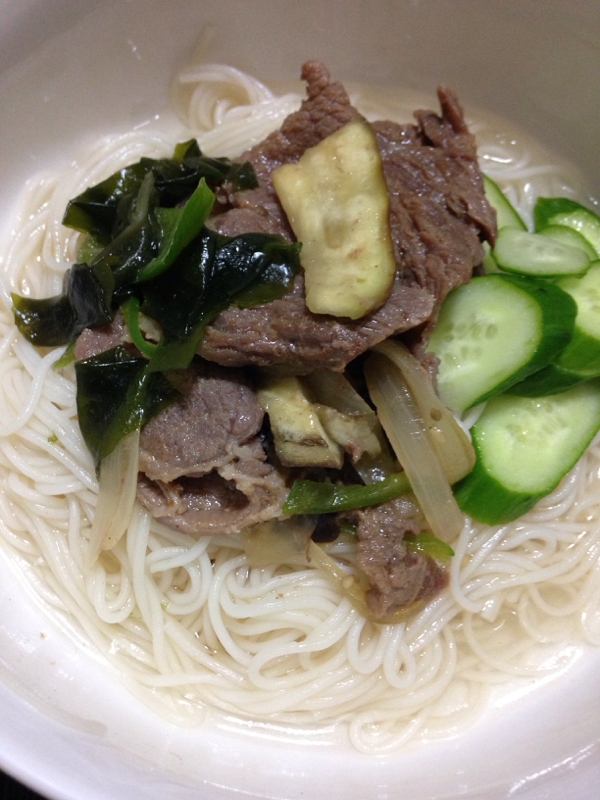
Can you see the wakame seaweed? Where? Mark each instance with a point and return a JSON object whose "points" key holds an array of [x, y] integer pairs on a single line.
{"points": [[99, 209], [85, 302], [147, 246], [138, 241], [150, 250], [116, 394], [209, 275], [154, 236]]}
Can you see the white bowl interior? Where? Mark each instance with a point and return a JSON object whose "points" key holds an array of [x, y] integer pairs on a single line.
{"points": [[70, 72]]}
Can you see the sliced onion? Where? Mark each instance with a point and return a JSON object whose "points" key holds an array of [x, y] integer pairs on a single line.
{"points": [[406, 430], [279, 541], [451, 443], [349, 420], [116, 496], [333, 389], [352, 589]]}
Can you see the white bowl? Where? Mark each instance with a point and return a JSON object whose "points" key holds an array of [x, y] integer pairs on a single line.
{"points": [[70, 72]]}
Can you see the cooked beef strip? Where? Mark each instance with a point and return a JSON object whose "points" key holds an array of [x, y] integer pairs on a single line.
{"points": [[285, 333], [326, 109], [398, 576], [438, 210], [204, 430], [438, 213], [203, 467], [242, 492], [92, 341]]}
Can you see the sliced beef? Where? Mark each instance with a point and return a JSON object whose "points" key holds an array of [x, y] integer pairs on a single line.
{"points": [[92, 341], [203, 467], [398, 576], [326, 108], [216, 415], [438, 215], [438, 210], [242, 492], [284, 332]]}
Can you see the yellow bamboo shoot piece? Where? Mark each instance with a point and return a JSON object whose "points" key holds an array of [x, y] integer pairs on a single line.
{"points": [[337, 204]]}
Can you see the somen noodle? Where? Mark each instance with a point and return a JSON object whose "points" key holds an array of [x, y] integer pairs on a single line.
{"points": [[194, 630]]}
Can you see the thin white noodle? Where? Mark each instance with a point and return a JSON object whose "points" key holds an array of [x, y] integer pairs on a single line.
{"points": [[188, 624]]}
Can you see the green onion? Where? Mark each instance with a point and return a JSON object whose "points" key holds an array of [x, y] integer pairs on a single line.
{"points": [[428, 545], [312, 497]]}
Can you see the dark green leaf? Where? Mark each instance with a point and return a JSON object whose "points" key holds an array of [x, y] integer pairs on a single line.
{"points": [[85, 302], [276, 280], [313, 497], [99, 209], [89, 249], [95, 210], [179, 226], [206, 278], [242, 177], [138, 243], [116, 394]]}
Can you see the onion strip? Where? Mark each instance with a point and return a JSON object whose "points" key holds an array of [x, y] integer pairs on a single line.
{"points": [[116, 496], [335, 395], [450, 441], [406, 431], [278, 541]]}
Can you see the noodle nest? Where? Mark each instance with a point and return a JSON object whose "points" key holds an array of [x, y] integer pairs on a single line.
{"points": [[193, 630]]}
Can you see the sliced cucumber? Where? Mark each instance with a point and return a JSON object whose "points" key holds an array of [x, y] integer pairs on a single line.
{"points": [[536, 255], [488, 263], [563, 211], [548, 380], [571, 237], [524, 448], [580, 359], [506, 215], [496, 330], [582, 354]]}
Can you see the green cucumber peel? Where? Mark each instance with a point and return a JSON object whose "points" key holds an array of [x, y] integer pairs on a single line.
{"points": [[506, 214], [564, 211], [535, 255], [582, 354], [580, 359], [524, 447], [495, 331]]}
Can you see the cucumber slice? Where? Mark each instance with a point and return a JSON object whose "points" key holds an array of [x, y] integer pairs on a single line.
{"points": [[496, 330], [488, 263], [571, 237], [582, 354], [548, 380], [524, 447], [536, 255], [562, 211], [506, 215], [580, 359]]}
